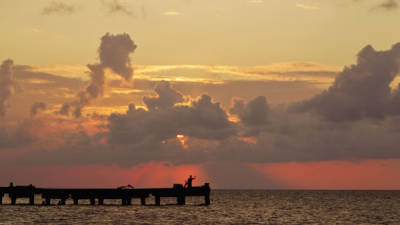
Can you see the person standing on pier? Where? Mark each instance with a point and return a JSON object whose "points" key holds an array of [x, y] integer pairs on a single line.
{"points": [[189, 182]]}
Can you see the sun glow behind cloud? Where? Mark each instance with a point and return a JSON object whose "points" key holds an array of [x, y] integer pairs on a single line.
{"points": [[182, 139]]}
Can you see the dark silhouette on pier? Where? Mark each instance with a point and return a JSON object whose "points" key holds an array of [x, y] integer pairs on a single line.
{"points": [[126, 187], [125, 193], [189, 182]]}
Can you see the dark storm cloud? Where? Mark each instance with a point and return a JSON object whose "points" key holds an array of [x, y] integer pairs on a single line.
{"points": [[7, 84], [301, 137], [288, 137], [253, 115], [167, 97], [58, 7], [114, 53], [203, 119], [141, 135], [255, 112], [361, 90], [36, 107]]}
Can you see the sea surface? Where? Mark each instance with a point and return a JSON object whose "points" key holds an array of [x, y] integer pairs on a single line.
{"points": [[227, 207]]}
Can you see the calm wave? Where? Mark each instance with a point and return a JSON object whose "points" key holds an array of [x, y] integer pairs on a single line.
{"points": [[227, 207]]}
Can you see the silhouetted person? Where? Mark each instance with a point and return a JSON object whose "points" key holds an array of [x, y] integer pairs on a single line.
{"points": [[189, 182]]}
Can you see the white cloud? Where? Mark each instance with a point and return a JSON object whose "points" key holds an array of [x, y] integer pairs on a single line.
{"points": [[172, 13], [307, 6], [255, 1]]}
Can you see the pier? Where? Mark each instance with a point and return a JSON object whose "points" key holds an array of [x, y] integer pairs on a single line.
{"points": [[98, 195]]}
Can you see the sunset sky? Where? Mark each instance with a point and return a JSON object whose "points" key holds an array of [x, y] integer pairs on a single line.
{"points": [[292, 94]]}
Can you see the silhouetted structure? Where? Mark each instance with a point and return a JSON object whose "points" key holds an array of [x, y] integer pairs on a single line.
{"points": [[189, 182], [125, 193]]}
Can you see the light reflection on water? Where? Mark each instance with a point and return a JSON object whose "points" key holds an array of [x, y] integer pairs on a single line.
{"points": [[227, 207]]}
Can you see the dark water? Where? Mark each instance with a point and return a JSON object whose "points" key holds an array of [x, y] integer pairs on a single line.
{"points": [[227, 207]]}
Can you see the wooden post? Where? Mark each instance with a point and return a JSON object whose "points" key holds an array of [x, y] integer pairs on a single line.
{"points": [[1, 199], [48, 201], [62, 201], [158, 200], [76, 201], [181, 199], [92, 201], [13, 200], [207, 199], [101, 201], [143, 200], [129, 201], [32, 199], [207, 193]]}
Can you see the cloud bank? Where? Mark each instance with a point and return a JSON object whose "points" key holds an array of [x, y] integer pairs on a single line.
{"points": [[361, 90], [356, 118]]}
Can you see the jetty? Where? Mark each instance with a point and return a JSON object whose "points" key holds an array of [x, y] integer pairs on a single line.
{"points": [[125, 194]]}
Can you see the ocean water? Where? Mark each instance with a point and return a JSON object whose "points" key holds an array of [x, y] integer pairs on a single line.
{"points": [[227, 207]]}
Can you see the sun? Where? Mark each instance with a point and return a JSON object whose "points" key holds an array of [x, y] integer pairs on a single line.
{"points": [[181, 138]]}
